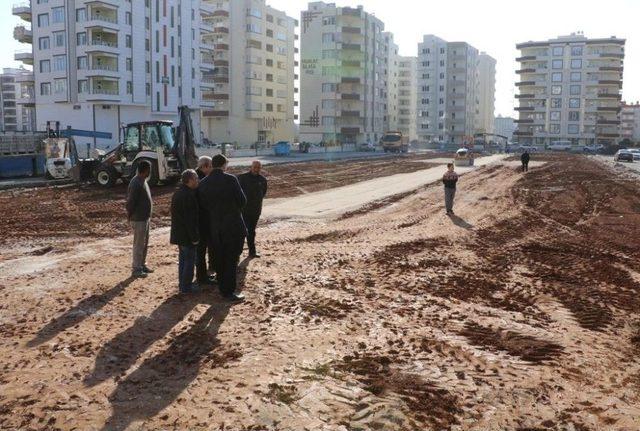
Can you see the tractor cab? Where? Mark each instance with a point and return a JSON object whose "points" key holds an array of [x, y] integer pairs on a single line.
{"points": [[148, 136]]}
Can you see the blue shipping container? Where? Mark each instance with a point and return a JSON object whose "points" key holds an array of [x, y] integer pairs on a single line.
{"points": [[29, 165]]}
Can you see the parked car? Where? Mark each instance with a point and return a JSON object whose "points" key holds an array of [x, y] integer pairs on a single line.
{"points": [[635, 152], [623, 156]]}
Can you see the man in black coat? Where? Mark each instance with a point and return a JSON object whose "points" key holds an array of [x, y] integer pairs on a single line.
{"points": [[524, 158], [204, 247], [254, 187], [221, 196], [185, 229]]}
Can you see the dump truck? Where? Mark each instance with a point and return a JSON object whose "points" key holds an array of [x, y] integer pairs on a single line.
{"points": [[395, 142], [169, 150]]}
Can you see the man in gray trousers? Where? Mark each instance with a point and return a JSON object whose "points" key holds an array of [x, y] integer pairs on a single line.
{"points": [[449, 179], [139, 207]]}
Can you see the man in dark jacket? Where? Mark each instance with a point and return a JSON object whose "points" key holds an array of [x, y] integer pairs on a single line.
{"points": [[204, 246], [449, 179], [185, 229], [254, 187], [524, 158], [139, 207], [221, 196]]}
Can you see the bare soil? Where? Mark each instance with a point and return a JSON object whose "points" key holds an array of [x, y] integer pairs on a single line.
{"points": [[522, 312]]}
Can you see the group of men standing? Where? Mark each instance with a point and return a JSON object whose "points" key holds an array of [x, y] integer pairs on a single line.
{"points": [[212, 213]]}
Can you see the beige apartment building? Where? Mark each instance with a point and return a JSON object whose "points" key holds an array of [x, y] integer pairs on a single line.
{"points": [[247, 83], [393, 90], [630, 122], [407, 96], [344, 75], [570, 90], [486, 94]]}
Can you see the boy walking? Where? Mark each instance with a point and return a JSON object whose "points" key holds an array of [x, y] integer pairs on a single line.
{"points": [[185, 229], [449, 179]]}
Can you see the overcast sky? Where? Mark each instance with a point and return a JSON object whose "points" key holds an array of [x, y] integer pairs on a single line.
{"points": [[494, 26]]}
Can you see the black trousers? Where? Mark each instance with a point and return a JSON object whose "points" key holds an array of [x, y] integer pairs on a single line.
{"points": [[251, 219], [204, 251], [525, 166], [227, 250]]}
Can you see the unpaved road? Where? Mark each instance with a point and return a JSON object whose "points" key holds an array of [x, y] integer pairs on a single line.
{"points": [[521, 313]]}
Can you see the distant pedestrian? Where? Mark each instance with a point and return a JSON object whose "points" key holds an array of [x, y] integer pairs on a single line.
{"points": [[139, 208], [254, 186], [204, 266], [449, 179], [222, 197], [185, 232], [524, 158]]}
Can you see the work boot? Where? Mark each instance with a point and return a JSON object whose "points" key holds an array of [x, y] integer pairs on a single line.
{"points": [[232, 297], [209, 280], [139, 274], [146, 269], [254, 254], [192, 288]]}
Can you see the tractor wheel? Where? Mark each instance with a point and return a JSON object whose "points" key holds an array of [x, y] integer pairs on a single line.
{"points": [[106, 177]]}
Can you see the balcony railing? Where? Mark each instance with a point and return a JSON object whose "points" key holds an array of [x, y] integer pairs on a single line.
{"points": [[103, 18], [103, 43], [105, 91]]}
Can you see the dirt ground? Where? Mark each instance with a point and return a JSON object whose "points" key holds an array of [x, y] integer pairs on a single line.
{"points": [[522, 312]]}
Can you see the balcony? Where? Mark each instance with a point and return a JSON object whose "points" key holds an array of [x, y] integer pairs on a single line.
{"points": [[352, 47], [23, 34], [26, 99], [221, 47], [104, 94], [351, 30], [611, 69], [524, 121], [609, 96], [22, 10], [350, 130], [346, 80], [526, 58], [608, 122], [25, 56], [520, 71], [214, 96], [526, 83], [221, 63], [25, 77], [350, 113], [523, 133], [348, 11], [610, 82], [221, 30], [608, 108], [524, 108], [221, 13], [525, 96], [210, 114], [350, 96], [612, 55]]}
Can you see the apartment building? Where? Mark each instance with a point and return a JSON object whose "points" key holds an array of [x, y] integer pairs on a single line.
{"points": [[449, 77], [344, 75], [407, 96], [630, 122], [248, 72], [392, 75], [570, 90], [17, 101], [505, 126], [486, 94], [101, 63]]}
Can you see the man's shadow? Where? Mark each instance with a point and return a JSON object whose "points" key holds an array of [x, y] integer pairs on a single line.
{"points": [[78, 313], [161, 379], [460, 222]]}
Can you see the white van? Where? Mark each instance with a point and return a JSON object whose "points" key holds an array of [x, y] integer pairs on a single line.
{"points": [[560, 146]]}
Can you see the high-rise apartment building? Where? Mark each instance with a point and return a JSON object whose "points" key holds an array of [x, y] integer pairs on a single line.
{"points": [[630, 122], [392, 73], [99, 64], [407, 96], [570, 90], [449, 77], [248, 72], [344, 75], [505, 126], [486, 94], [17, 101]]}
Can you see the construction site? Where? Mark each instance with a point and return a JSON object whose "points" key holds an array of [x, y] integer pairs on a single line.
{"points": [[370, 309]]}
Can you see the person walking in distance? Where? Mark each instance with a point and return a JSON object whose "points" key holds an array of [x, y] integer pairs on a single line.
{"points": [[139, 208], [185, 232], [524, 158], [254, 186], [449, 179], [204, 266], [222, 197]]}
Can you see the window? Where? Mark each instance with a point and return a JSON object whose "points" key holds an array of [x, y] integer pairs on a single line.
{"points": [[556, 77], [43, 20], [576, 50], [556, 103], [281, 36], [574, 90], [328, 121], [254, 28], [328, 104], [556, 64], [329, 88], [554, 128], [128, 63], [59, 86], [574, 103], [59, 63], [81, 39], [127, 41], [328, 37], [81, 15], [58, 39], [254, 12], [127, 18], [269, 18], [83, 86], [57, 14], [45, 66], [556, 89], [82, 63], [573, 129], [129, 87], [576, 76], [329, 20], [43, 43], [45, 89], [558, 51], [576, 63], [554, 116], [574, 115]]}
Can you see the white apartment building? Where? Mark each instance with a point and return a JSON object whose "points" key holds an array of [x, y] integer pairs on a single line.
{"points": [[449, 77], [630, 122], [248, 72], [570, 90], [344, 75], [505, 126], [392, 74], [99, 64], [486, 94], [407, 96], [17, 101]]}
